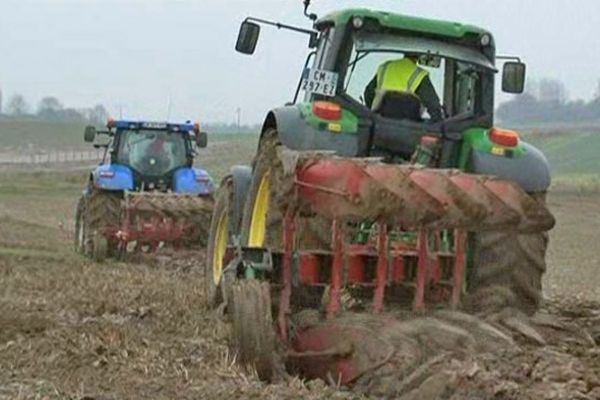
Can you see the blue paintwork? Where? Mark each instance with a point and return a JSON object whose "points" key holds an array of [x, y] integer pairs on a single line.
{"points": [[116, 177], [121, 179], [193, 181]]}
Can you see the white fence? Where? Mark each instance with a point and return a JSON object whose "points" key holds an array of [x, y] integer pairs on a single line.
{"points": [[59, 157]]}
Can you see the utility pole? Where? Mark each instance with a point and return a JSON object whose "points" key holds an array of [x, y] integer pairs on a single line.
{"points": [[239, 119]]}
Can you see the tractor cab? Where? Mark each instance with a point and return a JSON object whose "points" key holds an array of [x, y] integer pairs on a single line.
{"points": [[339, 93], [153, 152], [459, 60]]}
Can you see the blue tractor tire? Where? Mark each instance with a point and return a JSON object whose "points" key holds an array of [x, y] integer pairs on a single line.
{"points": [[102, 216]]}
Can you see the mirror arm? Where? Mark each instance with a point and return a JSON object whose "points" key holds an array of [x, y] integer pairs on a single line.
{"points": [[279, 25], [510, 58]]}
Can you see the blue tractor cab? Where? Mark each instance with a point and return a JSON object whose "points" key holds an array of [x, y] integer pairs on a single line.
{"points": [[151, 156]]}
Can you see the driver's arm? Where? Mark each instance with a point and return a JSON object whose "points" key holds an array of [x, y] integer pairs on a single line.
{"points": [[430, 100]]}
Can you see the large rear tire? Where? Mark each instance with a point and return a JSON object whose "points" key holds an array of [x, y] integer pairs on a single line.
{"points": [[508, 269], [261, 220], [102, 216], [218, 239]]}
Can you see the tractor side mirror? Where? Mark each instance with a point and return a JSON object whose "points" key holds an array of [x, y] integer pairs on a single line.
{"points": [[513, 77], [247, 37], [89, 134], [201, 139]]}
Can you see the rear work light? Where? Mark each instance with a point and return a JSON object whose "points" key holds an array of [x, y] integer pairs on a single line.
{"points": [[504, 137], [106, 174], [327, 110]]}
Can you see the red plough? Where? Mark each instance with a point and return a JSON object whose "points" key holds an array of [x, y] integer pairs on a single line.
{"points": [[416, 247], [151, 219]]}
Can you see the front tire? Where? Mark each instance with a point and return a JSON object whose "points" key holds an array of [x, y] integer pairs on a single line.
{"points": [[253, 334]]}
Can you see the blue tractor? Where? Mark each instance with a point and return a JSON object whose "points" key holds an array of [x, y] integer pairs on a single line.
{"points": [[145, 193]]}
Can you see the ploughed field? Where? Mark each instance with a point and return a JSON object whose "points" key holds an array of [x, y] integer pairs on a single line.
{"points": [[70, 328]]}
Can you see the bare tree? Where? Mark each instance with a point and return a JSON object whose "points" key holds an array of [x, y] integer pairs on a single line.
{"points": [[552, 91], [98, 114], [17, 105], [597, 94], [532, 88], [49, 104]]}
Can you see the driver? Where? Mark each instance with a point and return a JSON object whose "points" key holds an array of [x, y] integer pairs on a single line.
{"points": [[404, 75], [158, 151]]}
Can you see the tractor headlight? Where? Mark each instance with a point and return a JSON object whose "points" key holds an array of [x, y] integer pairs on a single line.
{"points": [[358, 22], [486, 39]]}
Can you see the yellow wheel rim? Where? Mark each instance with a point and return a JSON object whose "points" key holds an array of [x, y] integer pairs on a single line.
{"points": [[258, 224], [221, 238]]}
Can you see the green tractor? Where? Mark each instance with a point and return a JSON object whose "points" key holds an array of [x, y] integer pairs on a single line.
{"points": [[368, 202]]}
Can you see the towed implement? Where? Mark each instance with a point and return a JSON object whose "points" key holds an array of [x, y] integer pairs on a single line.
{"points": [[146, 193], [357, 212]]}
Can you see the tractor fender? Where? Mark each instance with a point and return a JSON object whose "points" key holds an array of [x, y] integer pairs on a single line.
{"points": [[530, 170], [297, 134], [113, 177], [193, 181], [241, 176]]}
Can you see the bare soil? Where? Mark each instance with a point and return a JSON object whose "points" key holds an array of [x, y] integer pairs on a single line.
{"points": [[73, 329]]}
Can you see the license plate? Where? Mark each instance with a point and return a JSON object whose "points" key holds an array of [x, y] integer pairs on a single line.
{"points": [[319, 81]]}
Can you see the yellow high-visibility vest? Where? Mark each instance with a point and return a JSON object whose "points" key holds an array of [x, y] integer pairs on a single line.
{"points": [[398, 76]]}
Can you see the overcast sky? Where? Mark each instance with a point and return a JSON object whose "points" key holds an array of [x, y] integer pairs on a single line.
{"points": [[136, 55]]}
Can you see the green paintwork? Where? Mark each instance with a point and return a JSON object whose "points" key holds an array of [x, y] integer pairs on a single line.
{"points": [[348, 123], [478, 139], [404, 22]]}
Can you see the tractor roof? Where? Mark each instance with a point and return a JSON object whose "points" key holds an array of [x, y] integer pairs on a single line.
{"points": [[159, 126], [403, 22]]}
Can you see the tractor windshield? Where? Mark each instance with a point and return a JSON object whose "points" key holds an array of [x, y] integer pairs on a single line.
{"points": [[152, 153], [455, 72]]}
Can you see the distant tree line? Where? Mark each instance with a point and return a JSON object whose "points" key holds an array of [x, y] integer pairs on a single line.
{"points": [[51, 109], [547, 101], [224, 128]]}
